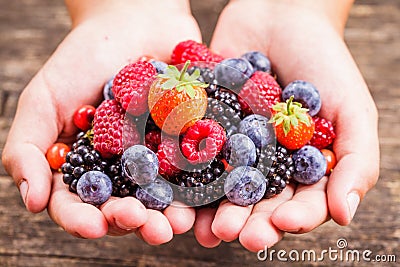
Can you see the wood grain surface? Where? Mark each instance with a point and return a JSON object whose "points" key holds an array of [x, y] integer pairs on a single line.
{"points": [[31, 29]]}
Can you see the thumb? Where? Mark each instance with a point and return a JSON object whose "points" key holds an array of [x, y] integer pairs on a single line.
{"points": [[34, 129], [357, 169]]}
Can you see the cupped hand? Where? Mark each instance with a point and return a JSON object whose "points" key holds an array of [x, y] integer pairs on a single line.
{"points": [[303, 42], [105, 37]]}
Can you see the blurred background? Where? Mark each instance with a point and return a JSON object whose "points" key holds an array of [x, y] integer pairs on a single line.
{"points": [[30, 30]]}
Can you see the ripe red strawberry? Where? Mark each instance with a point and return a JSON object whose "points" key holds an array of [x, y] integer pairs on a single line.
{"points": [[259, 94], [131, 86], [171, 161], [324, 134], [206, 130], [110, 133], [193, 51], [177, 100], [294, 127]]}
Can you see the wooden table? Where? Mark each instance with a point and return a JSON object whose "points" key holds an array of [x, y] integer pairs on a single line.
{"points": [[30, 31]]}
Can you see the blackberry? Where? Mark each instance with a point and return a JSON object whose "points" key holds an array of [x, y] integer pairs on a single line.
{"points": [[201, 185], [277, 165], [84, 158], [224, 108], [206, 76], [121, 186]]}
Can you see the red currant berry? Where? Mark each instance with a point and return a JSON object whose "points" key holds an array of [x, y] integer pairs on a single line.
{"points": [[83, 117], [56, 155], [330, 160]]}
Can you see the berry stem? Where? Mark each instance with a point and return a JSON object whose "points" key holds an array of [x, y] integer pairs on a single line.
{"points": [[185, 67], [289, 104]]}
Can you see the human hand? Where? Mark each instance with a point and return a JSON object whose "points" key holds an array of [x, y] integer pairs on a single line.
{"points": [[303, 40], [106, 35]]}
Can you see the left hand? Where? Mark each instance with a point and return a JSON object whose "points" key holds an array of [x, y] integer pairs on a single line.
{"points": [[304, 44]]}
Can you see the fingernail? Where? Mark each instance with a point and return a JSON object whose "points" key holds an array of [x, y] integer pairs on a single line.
{"points": [[123, 227], [23, 190], [353, 199]]}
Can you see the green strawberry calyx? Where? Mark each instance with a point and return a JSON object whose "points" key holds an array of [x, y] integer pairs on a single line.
{"points": [[289, 114], [181, 80]]}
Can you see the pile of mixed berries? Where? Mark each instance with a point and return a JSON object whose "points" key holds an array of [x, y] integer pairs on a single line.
{"points": [[197, 131]]}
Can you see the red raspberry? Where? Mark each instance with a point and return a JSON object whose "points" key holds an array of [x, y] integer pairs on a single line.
{"points": [[152, 140], [193, 51], [259, 94], [108, 124], [131, 86], [207, 131], [324, 134], [169, 157]]}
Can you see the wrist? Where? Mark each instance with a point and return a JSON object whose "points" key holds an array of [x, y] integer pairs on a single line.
{"points": [[83, 10], [333, 12]]}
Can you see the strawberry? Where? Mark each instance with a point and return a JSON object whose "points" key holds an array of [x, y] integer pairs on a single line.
{"points": [[177, 100], [260, 93], [110, 133], [193, 51], [131, 86], [324, 134], [294, 127]]}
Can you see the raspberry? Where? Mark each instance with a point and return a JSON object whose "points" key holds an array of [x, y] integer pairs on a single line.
{"points": [[208, 130], [152, 140], [108, 125], [324, 134], [260, 93], [193, 51], [131, 84], [169, 158]]}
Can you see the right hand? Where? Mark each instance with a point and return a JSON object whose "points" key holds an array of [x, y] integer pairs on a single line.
{"points": [[105, 37]]}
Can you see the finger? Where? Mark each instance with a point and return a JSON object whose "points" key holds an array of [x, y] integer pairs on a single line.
{"points": [[181, 218], [75, 217], [24, 153], [350, 180], [259, 230], [305, 211], [157, 229], [124, 215], [229, 220], [202, 228], [357, 150]]}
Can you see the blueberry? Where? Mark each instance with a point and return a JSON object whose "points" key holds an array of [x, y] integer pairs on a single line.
{"points": [[257, 128], [107, 92], [157, 195], [159, 65], [140, 164], [232, 73], [258, 60], [245, 186], [94, 187], [239, 150], [309, 164], [304, 93]]}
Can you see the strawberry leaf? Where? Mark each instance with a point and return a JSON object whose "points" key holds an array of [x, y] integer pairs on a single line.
{"points": [[304, 118], [286, 125], [294, 121], [170, 84], [190, 91]]}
